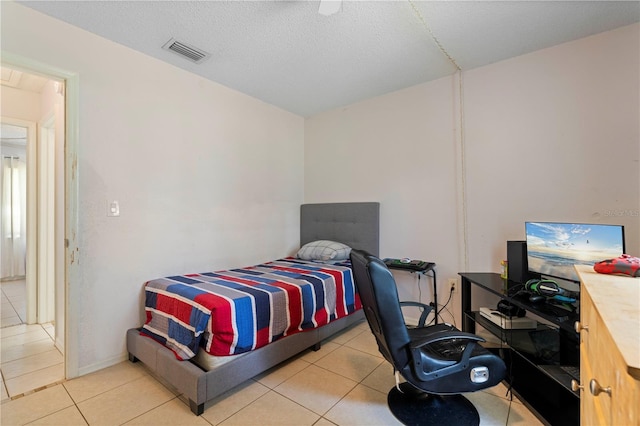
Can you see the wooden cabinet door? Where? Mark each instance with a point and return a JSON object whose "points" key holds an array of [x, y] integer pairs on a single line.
{"points": [[601, 360], [594, 410]]}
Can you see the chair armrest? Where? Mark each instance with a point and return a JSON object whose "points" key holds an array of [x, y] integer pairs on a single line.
{"points": [[445, 335], [425, 312], [459, 365]]}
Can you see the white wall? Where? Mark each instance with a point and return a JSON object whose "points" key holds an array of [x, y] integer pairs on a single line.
{"points": [[206, 177], [552, 135], [400, 150]]}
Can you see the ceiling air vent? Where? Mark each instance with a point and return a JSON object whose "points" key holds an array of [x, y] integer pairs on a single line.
{"points": [[189, 52]]}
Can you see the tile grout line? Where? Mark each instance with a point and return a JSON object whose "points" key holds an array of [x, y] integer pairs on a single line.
{"points": [[322, 416], [75, 404], [15, 311], [39, 388]]}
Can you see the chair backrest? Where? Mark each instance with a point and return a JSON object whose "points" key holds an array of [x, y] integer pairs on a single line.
{"points": [[379, 297]]}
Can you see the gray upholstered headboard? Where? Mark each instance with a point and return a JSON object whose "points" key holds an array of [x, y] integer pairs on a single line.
{"points": [[354, 224]]}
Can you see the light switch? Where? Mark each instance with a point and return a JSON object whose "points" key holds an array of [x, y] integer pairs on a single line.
{"points": [[113, 208]]}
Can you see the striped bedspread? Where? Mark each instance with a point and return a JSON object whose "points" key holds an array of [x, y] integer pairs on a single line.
{"points": [[239, 310]]}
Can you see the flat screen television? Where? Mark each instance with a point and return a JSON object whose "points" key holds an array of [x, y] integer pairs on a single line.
{"points": [[553, 248]]}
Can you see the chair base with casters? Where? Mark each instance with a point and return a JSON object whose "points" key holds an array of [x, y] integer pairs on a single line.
{"points": [[438, 362]]}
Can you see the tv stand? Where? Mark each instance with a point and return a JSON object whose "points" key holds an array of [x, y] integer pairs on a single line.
{"points": [[536, 359]]}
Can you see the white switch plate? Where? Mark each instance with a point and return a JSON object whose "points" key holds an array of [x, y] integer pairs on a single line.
{"points": [[113, 208]]}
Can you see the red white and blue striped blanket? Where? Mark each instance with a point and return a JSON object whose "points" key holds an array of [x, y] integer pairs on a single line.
{"points": [[239, 310]]}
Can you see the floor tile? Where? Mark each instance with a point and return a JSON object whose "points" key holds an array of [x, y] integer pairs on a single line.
{"points": [[273, 409], [35, 380], [85, 387], [282, 372], [24, 338], [35, 406], [313, 356], [125, 402], [519, 415], [19, 329], [499, 390], [365, 342], [14, 289], [10, 321], [26, 350], [348, 334], [171, 413], [324, 422], [316, 388], [6, 310], [362, 406], [5, 395], [30, 364], [493, 410], [381, 379], [350, 363], [68, 417], [232, 401], [50, 329]]}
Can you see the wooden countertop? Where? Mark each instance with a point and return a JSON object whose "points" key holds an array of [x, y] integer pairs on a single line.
{"points": [[617, 299]]}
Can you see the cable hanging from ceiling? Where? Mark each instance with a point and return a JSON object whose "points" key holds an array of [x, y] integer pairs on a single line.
{"points": [[433, 36], [460, 136]]}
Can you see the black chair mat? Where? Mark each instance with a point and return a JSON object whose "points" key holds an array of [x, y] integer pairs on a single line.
{"points": [[416, 408]]}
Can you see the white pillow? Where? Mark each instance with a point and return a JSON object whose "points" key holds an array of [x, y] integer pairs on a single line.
{"points": [[324, 250]]}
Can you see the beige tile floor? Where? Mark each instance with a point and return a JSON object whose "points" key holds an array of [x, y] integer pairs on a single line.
{"points": [[344, 383], [29, 359], [14, 303]]}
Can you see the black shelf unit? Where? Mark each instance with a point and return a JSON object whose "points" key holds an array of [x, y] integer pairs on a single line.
{"points": [[533, 356]]}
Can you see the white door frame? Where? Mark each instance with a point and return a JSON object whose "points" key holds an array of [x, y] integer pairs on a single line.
{"points": [[71, 285]]}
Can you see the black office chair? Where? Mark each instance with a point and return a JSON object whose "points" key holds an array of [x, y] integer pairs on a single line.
{"points": [[438, 362]]}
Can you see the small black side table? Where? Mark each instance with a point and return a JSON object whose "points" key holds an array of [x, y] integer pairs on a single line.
{"points": [[421, 268]]}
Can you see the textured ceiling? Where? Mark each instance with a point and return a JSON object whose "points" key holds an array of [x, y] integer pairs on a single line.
{"points": [[286, 54]]}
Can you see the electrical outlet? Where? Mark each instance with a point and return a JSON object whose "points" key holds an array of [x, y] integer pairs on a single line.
{"points": [[113, 208], [453, 285]]}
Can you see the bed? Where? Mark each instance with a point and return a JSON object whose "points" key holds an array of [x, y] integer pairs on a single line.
{"points": [[353, 224]]}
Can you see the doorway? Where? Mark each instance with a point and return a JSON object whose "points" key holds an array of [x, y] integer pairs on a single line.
{"points": [[32, 352]]}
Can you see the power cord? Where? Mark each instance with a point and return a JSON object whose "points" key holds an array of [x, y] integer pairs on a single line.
{"points": [[509, 393], [444, 307]]}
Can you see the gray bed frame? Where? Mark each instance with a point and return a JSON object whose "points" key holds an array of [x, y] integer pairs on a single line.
{"points": [[354, 224]]}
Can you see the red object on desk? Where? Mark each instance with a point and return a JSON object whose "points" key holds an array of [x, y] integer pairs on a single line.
{"points": [[624, 264]]}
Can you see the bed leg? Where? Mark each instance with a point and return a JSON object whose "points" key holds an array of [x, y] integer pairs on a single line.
{"points": [[196, 409], [132, 358], [316, 347]]}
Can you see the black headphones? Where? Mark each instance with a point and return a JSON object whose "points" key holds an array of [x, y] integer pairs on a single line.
{"points": [[510, 310], [543, 287]]}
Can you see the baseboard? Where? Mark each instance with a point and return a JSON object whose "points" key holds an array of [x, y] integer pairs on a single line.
{"points": [[103, 364], [411, 321], [59, 344]]}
